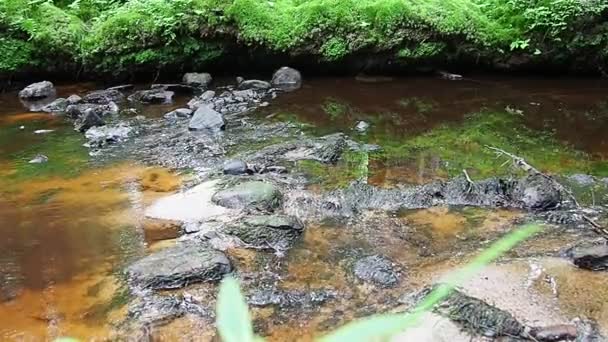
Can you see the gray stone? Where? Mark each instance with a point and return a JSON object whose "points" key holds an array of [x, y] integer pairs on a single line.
{"points": [[239, 80], [101, 136], [176, 87], [103, 97], [178, 266], [74, 99], [582, 179], [590, 257], [39, 159], [287, 79], [254, 84], [38, 90], [57, 106], [361, 126], [287, 299], [88, 120], [179, 113], [79, 110], [377, 270], [537, 192], [256, 194], [554, 333], [153, 96], [266, 231], [235, 167], [205, 118], [197, 79]]}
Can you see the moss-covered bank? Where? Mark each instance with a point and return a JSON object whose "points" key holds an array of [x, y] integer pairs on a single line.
{"points": [[114, 36]]}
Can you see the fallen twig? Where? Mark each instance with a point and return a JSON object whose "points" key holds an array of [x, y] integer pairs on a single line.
{"points": [[469, 180], [519, 161]]}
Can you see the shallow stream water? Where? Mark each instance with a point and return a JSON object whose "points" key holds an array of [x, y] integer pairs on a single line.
{"points": [[71, 225]]}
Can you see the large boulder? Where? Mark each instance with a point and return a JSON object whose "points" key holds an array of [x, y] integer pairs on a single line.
{"points": [[103, 96], [197, 79], [153, 96], [254, 194], [537, 192], [205, 118], [38, 90], [266, 231], [377, 270], [178, 266], [287, 79], [254, 84]]}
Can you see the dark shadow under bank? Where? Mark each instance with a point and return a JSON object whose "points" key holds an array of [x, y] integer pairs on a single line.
{"points": [[260, 63]]}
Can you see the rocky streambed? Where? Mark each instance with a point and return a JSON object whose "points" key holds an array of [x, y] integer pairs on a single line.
{"points": [[312, 258]]}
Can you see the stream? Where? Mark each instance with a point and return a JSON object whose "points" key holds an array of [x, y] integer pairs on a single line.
{"points": [[72, 226]]}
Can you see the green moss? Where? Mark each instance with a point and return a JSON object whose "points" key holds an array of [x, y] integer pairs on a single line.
{"points": [[464, 146], [334, 108], [351, 167]]}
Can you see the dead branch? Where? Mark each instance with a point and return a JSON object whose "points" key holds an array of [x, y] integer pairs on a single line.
{"points": [[469, 180]]}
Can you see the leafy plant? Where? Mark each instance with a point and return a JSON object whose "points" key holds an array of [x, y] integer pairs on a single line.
{"points": [[234, 324]]}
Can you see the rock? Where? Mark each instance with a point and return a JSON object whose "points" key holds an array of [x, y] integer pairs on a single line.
{"points": [[197, 79], [204, 98], [207, 95], [153, 96], [239, 80], [57, 106], [287, 79], [377, 270], [74, 99], [178, 266], [79, 110], [122, 87], [254, 84], [449, 76], [39, 159], [590, 257], [191, 227], [157, 230], [287, 299], [205, 118], [88, 120], [43, 131], [179, 113], [103, 97], [266, 231], [582, 179], [274, 169], [175, 87], [235, 167], [362, 127], [101, 136], [38, 90], [260, 195], [554, 333], [537, 192]]}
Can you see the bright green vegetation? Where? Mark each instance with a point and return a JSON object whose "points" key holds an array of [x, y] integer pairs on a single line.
{"points": [[351, 167], [464, 146], [113, 36], [235, 325]]}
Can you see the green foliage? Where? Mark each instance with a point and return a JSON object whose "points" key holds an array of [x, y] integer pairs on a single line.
{"points": [[117, 35], [353, 166], [234, 324]]}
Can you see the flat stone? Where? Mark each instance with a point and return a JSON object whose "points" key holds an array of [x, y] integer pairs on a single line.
{"points": [[178, 113], [205, 118], [103, 96], [377, 270], [153, 96], [255, 194], [590, 257], [157, 230], [266, 231], [178, 266], [235, 167], [254, 84], [555, 333]]}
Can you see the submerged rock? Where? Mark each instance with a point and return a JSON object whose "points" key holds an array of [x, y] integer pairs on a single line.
{"points": [[197, 79], [266, 231], [287, 79], [57, 106], [153, 96], [178, 266], [101, 136], [288, 299], [235, 167], [39, 159], [104, 96], [38, 90], [79, 110], [178, 113], [590, 257], [377, 270], [255, 194], [205, 118], [254, 84]]}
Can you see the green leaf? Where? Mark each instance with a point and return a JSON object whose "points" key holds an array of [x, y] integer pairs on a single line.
{"points": [[233, 320]]}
